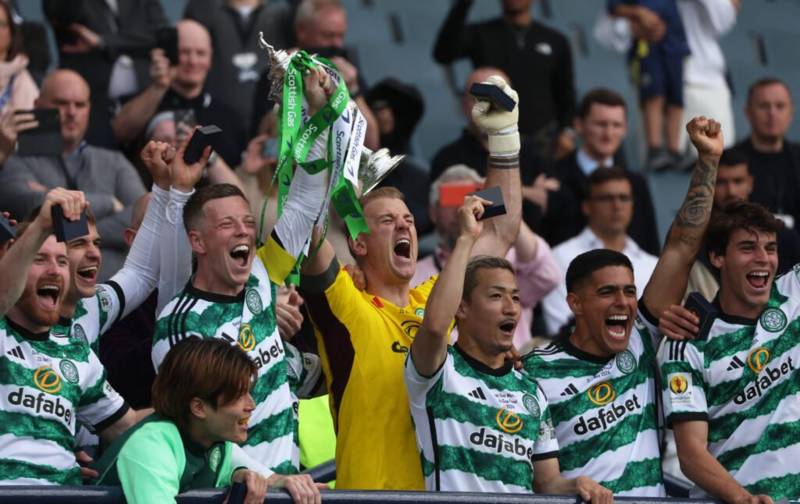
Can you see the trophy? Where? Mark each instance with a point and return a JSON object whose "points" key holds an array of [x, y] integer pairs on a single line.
{"points": [[373, 166]]}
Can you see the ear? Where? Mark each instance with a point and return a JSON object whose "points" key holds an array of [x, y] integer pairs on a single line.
{"points": [[574, 302], [462, 310], [197, 408], [197, 243], [716, 260], [358, 247]]}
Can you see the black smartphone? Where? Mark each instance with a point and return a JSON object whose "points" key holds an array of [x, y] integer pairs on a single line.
{"points": [[65, 229], [495, 195], [167, 40], [45, 139], [703, 310], [201, 138], [7, 231], [494, 94]]}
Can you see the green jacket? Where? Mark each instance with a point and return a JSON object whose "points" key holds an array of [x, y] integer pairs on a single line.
{"points": [[153, 462]]}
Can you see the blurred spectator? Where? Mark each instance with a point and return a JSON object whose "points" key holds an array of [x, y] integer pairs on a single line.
{"points": [[125, 348], [540, 193], [735, 185], [608, 208], [536, 57], [234, 26], [601, 126], [536, 270], [657, 57], [320, 27], [107, 42], [183, 87], [705, 85], [110, 182], [398, 108], [171, 127], [18, 91], [774, 161]]}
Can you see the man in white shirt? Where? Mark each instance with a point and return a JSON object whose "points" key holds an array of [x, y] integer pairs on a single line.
{"points": [[608, 208]]}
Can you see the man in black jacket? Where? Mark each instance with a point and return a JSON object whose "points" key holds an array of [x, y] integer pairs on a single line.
{"points": [[601, 126], [536, 58], [774, 161]]}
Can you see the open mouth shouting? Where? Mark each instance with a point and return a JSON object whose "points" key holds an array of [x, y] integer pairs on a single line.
{"points": [[758, 279], [48, 294], [88, 274], [617, 326], [241, 255], [507, 327], [402, 248]]}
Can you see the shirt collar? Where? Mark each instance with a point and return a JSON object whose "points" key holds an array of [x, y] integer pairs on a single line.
{"points": [[631, 249], [587, 164]]}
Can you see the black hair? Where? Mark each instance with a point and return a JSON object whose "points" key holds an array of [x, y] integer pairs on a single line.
{"points": [[582, 267]]}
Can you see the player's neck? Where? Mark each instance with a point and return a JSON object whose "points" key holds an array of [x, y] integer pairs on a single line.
{"points": [[766, 144], [199, 435], [583, 341], [733, 305], [68, 306], [521, 18], [206, 281], [396, 293], [470, 346], [21, 319]]}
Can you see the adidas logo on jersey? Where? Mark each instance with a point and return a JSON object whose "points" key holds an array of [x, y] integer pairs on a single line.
{"points": [[606, 417], [478, 394], [16, 352], [500, 443], [266, 355], [765, 379], [735, 363], [40, 403], [570, 390]]}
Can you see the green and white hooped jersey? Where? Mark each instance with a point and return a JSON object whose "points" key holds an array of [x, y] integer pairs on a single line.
{"points": [[46, 384], [743, 379], [479, 429], [284, 373], [605, 412], [94, 315]]}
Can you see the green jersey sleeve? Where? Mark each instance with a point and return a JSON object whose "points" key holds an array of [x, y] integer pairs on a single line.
{"points": [[150, 465]]}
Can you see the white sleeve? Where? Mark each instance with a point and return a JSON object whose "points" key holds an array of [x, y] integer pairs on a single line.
{"points": [[306, 196], [139, 274], [418, 385], [721, 14], [555, 308], [239, 458], [176, 253]]}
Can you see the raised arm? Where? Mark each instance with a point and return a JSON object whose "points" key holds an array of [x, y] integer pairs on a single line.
{"points": [[503, 170], [668, 282], [133, 116], [429, 349], [15, 263]]}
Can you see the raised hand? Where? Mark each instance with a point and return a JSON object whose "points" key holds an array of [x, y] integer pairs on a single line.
{"points": [[678, 323], [469, 214], [706, 136], [71, 202], [318, 89], [11, 125], [500, 125], [185, 177], [158, 158], [161, 73]]}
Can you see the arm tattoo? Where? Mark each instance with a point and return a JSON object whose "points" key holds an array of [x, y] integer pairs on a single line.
{"points": [[696, 207]]}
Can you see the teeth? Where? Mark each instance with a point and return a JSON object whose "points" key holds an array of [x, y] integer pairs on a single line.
{"points": [[403, 241], [90, 269], [49, 288], [618, 317], [241, 248], [763, 274], [244, 421]]}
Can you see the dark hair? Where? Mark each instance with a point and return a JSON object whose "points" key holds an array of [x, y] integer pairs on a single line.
{"points": [[209, 369], [740, 215], [733, 157], [601, 96], [478, 263], [193, 211], [582, 267], [766, 81], [604, 174], [15, 46]]}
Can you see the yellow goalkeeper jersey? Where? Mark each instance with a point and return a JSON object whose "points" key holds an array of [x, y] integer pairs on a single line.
{"points": [[363, 342]]}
